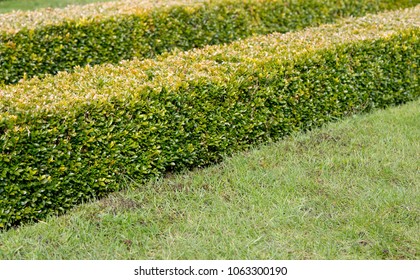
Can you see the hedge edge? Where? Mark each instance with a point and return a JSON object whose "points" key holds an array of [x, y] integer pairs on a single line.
{"points": [[53, 158]]}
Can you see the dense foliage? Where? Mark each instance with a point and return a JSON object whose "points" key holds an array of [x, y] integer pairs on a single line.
{"points": [[49, 41], [70, 137]]}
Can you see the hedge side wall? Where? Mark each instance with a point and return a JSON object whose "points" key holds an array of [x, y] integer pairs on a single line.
{"points": [[144, 33], [71, 137]]}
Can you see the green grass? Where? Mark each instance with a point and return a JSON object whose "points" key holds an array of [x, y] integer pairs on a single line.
{"points": [[24, 5], [349, 190]]}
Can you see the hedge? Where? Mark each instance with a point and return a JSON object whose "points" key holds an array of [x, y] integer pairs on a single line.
{"points": [[74, 136], [53, 40]]}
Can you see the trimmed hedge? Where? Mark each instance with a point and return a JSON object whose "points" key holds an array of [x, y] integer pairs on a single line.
{"points": [[71, 137], [110, 32]]}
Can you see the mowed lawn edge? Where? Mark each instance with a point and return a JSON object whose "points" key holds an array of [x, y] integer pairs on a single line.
{"points": [[349, 190]]}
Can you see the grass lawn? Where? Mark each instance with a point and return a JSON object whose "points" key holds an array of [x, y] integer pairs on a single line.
{"points": [[349, 190], [23, 5]]}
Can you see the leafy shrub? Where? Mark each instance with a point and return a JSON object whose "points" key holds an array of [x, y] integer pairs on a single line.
{"points": [[74, 136], [49, 41]]}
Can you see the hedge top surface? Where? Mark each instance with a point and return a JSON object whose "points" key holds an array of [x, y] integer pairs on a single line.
{"points": [[15, 21], [212, 64]]}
